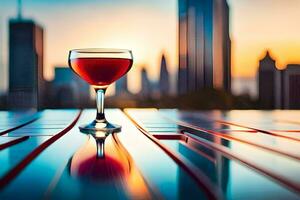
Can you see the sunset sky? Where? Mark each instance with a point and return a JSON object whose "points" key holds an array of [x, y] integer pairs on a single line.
{"points": [[257, 25], [149, 28]]}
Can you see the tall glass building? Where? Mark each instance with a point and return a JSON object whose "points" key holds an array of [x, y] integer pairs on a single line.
{"points": [[204, 45], [25, 64]]}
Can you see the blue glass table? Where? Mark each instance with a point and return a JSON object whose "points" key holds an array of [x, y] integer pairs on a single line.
{"points": [[159, 154]]}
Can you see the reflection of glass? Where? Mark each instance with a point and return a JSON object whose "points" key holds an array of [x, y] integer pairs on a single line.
{"points": [[115, 169], [100, 68], [100, 137]]}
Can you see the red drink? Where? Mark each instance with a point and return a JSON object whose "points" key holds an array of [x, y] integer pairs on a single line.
{"points": [[100, 67], [100, 71]]}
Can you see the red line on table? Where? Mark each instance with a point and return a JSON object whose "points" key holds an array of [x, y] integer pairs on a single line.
{"points": [[13, 142], [227, 153], [203, 182], [258, 130], [9, 176], [19, 126], [228, 137]]}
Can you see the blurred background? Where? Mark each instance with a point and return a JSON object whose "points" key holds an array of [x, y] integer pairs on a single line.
{"points": [[189, 54]]}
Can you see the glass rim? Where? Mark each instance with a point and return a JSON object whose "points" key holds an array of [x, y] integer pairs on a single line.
{"points": [[100, 50]]}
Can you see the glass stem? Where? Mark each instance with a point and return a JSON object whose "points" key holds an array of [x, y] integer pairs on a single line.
{"points": [[100, 105], [100, 148]]}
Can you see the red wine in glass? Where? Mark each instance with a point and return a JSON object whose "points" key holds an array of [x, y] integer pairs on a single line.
{"points": [[101, 71], [100, 68]]}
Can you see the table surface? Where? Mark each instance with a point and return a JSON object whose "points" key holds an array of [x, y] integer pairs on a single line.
{"points": [[159, 154]]}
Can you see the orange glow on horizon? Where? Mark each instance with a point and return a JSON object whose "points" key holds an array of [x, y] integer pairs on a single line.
{"points": [[258, 25], [250, 37]]}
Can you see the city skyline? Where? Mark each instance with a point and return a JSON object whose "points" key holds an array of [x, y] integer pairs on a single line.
{"points": [[92, 16], [282, 37]]}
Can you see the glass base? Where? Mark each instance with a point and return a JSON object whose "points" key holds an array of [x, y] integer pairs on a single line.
{"points": [[100, 129]]}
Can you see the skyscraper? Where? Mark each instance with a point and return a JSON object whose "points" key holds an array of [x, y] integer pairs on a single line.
{"points": [[204, 45], [221, 46], [25, 64], [164, 80], [291, 87], [269, 83], [278, 88], [2, 69], [146, 89]]}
